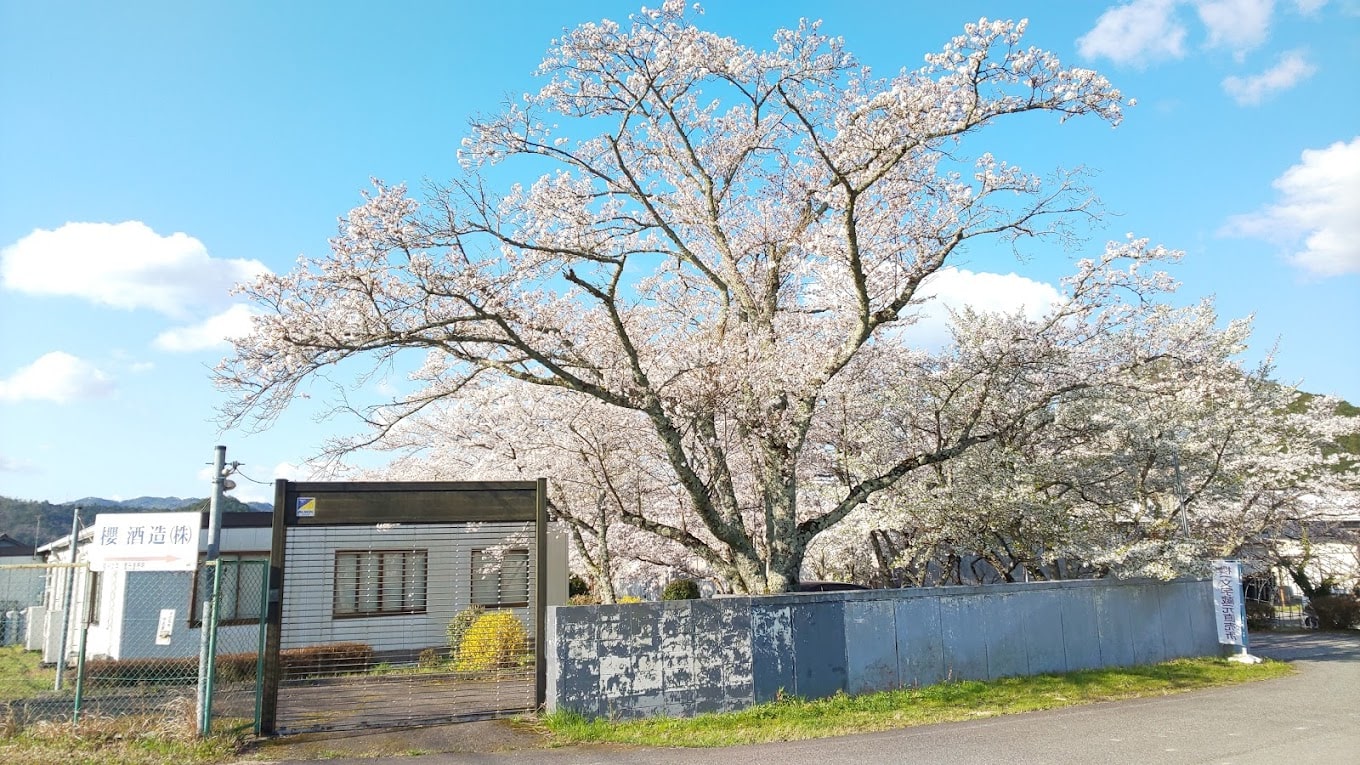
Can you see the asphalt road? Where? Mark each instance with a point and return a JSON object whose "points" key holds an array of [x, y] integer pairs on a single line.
{"points": [[1310, 717]]}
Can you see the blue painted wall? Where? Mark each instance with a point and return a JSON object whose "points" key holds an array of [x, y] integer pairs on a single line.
{"points": [[687, 657]]}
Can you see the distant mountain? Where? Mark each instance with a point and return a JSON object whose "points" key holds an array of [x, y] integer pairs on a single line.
{"points": [[161, 504], [37, 523], [140, 503], [229, 505]]}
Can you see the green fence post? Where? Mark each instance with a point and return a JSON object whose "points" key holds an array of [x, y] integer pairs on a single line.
{"points": [[209, 686], [80, 659], [259, 648]]}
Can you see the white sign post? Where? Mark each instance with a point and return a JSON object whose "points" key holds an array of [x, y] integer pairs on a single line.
{"points": [[1230, 612], [145, 542]]}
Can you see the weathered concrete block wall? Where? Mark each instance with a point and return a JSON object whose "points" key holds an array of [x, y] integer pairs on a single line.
{"points": [[687, 657]]}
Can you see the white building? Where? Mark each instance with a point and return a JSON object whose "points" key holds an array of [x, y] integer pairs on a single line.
{"points": [[338, 588]]}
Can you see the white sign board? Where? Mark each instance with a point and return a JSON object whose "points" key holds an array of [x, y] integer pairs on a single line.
{"points": [[145, 542], [1229, 610], [165, 626]]}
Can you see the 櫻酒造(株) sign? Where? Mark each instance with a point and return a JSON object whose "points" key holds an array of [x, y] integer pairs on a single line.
{"points": [[145, 542]]}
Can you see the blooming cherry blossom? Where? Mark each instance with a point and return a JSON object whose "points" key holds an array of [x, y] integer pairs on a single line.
{"points": [[714, 256]]}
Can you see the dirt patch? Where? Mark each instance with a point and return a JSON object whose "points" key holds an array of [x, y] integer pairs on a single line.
{"points": [[479, 736]]}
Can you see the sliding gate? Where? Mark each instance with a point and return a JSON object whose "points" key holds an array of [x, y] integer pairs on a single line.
{"points": [[400, 604]]}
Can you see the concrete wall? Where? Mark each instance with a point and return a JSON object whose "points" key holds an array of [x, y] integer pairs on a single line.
{"points": [[687, 657]]}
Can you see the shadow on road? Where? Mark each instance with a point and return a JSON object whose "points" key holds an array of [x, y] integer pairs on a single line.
{"points": [[1311, 645]]}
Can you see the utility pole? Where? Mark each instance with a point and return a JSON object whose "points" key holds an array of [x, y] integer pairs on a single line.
{"points": [[208, 611]]}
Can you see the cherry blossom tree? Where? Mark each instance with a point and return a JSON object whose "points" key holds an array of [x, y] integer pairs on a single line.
{"points": [[722, 247], [604, 466], [1147, 475]]}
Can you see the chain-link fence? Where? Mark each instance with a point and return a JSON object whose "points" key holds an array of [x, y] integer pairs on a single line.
{"points": [[21, 605], [129, 643], [411, 625], [21, 598], [29, 628], [233, 685]]}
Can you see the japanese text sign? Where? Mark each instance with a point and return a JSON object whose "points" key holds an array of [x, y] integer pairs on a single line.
{"points": [[1228, 607], [145, 542]]}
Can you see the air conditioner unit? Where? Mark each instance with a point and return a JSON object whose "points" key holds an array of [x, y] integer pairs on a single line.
{"points": [[35, 626], [51, 640]]}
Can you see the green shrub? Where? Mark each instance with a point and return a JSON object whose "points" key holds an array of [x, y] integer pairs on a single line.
{"points": [[458, 627], [496, 640], [123, 672], [583, 600], [236, 667], [1337, 612], [1260, 616], [328, 659], [430, 658], [681, 589], [577, 586], [628, 599]]}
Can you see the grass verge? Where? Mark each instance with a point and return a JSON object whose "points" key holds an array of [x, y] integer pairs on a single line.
{"points": [[21, 675], [113, 741], [130, 740], [792, 719]]}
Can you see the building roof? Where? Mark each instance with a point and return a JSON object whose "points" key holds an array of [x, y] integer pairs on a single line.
{"points": [[13, 548]]}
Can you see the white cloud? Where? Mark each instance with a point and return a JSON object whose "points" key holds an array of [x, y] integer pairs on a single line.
{"points": [[1136, 33], [1237, 24], [1309, 6], [210, 333], [291, 472], [13, 465], [1292, 69], [58, 377], [123, 265], [1316, 215], [954, 288]]}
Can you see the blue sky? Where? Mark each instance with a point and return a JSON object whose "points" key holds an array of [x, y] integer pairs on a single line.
{"points": [[152, 153]]}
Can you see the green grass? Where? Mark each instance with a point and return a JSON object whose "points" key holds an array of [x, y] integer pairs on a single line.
{"points": [[794, 719], [99, 741], [21, 676], [113, 741]]}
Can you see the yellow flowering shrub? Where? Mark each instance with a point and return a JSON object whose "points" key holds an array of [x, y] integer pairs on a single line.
{"points": [[497, 639]]}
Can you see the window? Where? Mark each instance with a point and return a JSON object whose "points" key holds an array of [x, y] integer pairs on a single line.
{"points": [[239, 598], [379, 582], [500, 581]]}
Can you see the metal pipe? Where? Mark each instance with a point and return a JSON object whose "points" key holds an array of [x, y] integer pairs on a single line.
{"points": [[66, 600], [208, 612], [84, 636]]}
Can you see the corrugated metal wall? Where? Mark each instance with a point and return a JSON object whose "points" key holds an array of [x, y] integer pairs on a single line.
{"points": [[687, 657]]}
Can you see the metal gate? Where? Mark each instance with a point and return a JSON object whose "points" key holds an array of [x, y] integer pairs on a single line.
{"points": [[400, 604]]}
